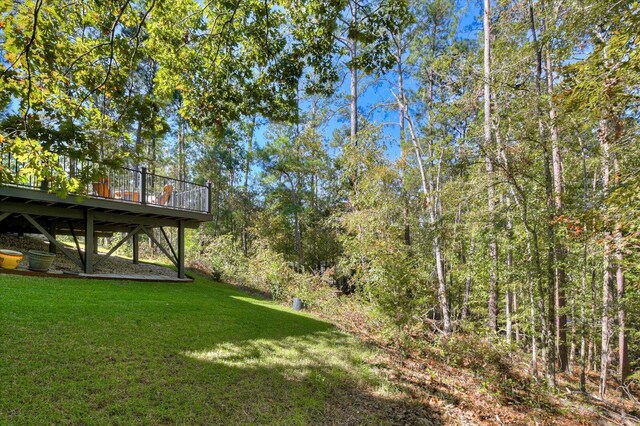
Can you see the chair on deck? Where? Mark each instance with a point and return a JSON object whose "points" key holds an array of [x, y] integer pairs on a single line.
{"points": [[167, 191], [131, 196], [102, 189]]}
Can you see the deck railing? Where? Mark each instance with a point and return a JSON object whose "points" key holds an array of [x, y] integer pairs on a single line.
{"points": [[131, 185]]}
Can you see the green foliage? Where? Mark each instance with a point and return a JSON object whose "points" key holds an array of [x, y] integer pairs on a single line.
{"points": [[106, 68], [265, 271]]}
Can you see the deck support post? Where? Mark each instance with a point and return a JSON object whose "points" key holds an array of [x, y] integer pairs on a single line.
{"points": [[52, 230], [136, 248], [143, 186], [180, 249], [89, 242]]}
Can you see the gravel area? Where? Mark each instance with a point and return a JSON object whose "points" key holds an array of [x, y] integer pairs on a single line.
{"points": [[112, 265]]}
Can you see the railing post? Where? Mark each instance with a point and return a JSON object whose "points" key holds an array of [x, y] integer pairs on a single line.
{"points": [[143, 190], [209, 196]]}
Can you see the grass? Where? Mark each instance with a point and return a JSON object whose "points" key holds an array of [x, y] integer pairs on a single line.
{"points": [[95, 352]]}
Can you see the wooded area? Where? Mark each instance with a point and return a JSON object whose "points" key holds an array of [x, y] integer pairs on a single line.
{"points": [[461, 168]]}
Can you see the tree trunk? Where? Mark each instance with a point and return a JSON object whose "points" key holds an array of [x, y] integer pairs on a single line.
{"points": [[623, 362], [583, 322], [353, 71], [180, 148], [607, 282], [551, 275], [623, 366], [593, 349], [442, 287], [585, 264], [493, 244], [467, 285], [533, 249], [516, 297], [245, 190], [418, 151], [354, 102], [431, 194], [509, 297], [561, 317], [435, 214], [401, 122], [548, 325], [296, 223], [572, 352], [532, 318], [136, 166]]}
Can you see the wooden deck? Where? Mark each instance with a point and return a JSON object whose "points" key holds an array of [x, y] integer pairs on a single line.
{"points": [[111, 215], [125, 185], [124, 200]]}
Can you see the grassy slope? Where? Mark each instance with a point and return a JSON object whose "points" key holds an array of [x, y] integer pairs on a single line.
{"points": [[80, 351]]}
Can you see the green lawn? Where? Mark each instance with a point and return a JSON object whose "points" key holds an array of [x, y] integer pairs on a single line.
{"points": [[94, 352]]}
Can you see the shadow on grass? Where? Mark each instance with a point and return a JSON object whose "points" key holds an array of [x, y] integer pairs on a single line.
{"points": [[149, 353], [290, 368], [331, 377]]}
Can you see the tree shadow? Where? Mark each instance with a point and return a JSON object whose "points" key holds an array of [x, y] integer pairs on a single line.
{"points": [[321, 378]]}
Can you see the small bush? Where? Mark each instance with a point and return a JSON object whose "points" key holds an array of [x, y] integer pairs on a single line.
{"points": [[264, 270]]}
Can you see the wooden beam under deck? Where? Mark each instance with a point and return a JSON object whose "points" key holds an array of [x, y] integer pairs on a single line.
{"points": [[101, 216]]}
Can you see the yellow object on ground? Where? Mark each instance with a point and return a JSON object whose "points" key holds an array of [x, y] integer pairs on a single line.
{"points": [[9, 259]]}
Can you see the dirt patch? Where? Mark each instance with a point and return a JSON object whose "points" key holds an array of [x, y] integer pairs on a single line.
{"points": [[111, 265]]}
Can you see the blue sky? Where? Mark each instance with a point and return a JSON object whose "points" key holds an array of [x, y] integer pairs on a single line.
{"points": [[373, 97]]}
